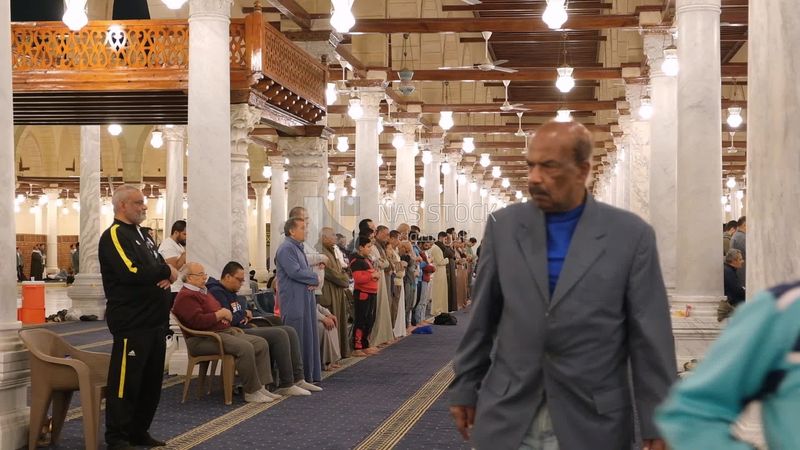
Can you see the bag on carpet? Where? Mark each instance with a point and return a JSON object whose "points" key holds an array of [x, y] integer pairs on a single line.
{"points": [[425, 329], [445, 319]]}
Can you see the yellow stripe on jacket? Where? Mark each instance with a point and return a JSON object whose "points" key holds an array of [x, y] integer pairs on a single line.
{"points": [[121, 252], [122, 370]]}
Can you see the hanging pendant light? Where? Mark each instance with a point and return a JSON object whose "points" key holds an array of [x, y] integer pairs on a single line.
{"points": [[462, 179], [415, 149], [341, 144], [422, 182], [355, 111], [485, 161], [285, 176], [398, 141], [446, 120], [496, 172], [75, 16], [331, 95], [445, 168], [380, 124], [473, 186], [468, 145], [670, 66], [174, 4], [156, 139], [555, 14], [505, 183], [735, 116], [483, 193], [342, 18], [266, 172], [114, 129], [563, 115], [645, 108], [353, 183], [380, 160], [427, 158], [731, 183], [565, 82]]}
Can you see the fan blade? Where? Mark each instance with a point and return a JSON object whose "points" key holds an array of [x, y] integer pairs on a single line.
{"points": [[457, 68], [499, 61], [472, 2], [504, 69]]}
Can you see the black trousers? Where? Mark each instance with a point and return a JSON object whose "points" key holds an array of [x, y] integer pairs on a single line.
{"points": [[134, 384], [365, 309], [20, 274]]}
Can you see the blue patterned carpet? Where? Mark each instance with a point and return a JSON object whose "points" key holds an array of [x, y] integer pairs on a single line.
{"points": [[355, 402]]}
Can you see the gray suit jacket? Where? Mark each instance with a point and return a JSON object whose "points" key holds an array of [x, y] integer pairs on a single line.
{"points": [[521, 346]]}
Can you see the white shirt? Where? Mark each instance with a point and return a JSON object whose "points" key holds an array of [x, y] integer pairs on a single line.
{"points": [[314, 259], [171, 249]]}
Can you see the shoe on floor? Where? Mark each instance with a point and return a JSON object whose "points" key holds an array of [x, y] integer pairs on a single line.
{"points": [[292, 390], [308, 386], [148, 441], [256, 397], [272, 397]]}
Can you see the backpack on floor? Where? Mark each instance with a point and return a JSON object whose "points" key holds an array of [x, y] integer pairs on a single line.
{"points": [[445, 319]]}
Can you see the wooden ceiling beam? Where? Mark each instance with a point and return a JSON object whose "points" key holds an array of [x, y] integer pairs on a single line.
{"points": [[532, 107], [574, 5], [525, 74], [479, 24], [519, 38], [295, 12]]}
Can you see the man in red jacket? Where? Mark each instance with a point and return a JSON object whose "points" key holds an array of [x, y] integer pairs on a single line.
{"points": [[365, 291], [199, 310]]}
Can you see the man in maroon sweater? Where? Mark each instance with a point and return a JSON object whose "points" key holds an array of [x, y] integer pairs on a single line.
{"points": [[199, 310]]}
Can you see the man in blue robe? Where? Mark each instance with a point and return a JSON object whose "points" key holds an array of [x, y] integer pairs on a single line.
{"points": [[296, 284]]}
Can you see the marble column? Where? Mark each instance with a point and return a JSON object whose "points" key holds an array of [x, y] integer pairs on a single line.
{"points": [[243, 119], [209, 133], [367, 143], [277, 207], [38, 220], [306, 175], [338, 181], [14, 374], [450, 191], [663, 156], [174, 138], [52, 230], [462, 219], [699, 178], [87, 291], [430, 194], [260, 261], [773, 138], [405, 183], [476, 214]]}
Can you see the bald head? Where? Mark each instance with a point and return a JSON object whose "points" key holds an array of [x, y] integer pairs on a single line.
{"points": [[194, 274], [559, 162]]}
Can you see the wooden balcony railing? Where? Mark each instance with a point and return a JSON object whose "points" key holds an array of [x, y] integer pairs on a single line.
{"points": [[153, 55]]}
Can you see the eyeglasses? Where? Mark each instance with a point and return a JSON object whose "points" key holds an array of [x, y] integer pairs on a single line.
{"points": [[201, 274], [240, 280]]}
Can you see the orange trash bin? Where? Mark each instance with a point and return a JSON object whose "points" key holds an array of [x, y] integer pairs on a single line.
{"points": [[33, 294]]}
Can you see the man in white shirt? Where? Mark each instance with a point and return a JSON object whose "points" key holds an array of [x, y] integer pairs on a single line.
{"points": [[173, 250]]}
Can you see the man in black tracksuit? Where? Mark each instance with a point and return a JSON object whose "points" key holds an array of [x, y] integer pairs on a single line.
{"points": [[136, 281]]}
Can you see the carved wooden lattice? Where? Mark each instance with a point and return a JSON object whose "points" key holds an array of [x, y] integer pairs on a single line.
{"points": [[238, 46], [292, 68], [101, 46]]}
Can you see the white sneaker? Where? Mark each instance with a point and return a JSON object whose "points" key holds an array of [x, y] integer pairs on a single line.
{"points": [[256, 397], [293, 390], [272, 397], [308, 386]]}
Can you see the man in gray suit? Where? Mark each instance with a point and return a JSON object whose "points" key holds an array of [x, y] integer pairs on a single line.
{"points": [[569, 296]]}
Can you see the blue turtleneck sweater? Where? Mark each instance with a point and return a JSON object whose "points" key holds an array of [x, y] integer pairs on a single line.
{"points": [[560, 228]]}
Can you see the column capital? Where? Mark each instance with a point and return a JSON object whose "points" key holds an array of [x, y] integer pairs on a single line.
{"points": [[261, 186], [276, 161], [52, 193], [244, 117], [370, 102], [467, 170], [454, 158], [654, 44], [339, 180], [408, 127], [174, 133], [634, 93], [210, 7]]}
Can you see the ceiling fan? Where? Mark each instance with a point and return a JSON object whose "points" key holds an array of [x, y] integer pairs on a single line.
{"points": [[487, 64], [520, 132], [472, 2], [507, 106]]}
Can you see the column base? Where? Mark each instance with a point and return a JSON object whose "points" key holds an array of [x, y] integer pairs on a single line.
{"points": [[14, 381], [87, 294], [695, 333]]}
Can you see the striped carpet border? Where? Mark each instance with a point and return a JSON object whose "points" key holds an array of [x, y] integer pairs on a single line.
{"points": [[88, 330], [77, 412], [225, 422], [392, 430], [95, 344]]}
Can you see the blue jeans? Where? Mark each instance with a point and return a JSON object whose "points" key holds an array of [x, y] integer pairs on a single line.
{"points": [[540, 435]]}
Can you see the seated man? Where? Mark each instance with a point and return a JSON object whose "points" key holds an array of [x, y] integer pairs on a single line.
{"points": [[330, 349], [197, 309], [284, 344]]}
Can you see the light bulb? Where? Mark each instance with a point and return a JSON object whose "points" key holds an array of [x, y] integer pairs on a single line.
{"points": [[285, 176], [441, 188], [728, 208], [354, 194], [331, 187], [496, 171], [75, 16], [485, 161], [344, 192], [342, 144], [43, 200], [518, 195], [330, 94], [76, 205], [353, 183], [473, 186], [670, 66], [563, 115], [380, 160], [59, 202], [462, 179], [555, 14], [646, 109], [342, 18], [157, 139], [483, 192], [398, 141], [446, 120], [731, 183], [724, 199], [740, 194], [185, 204], [248, 202], [174, 4], [104, 209], [734, 116], [468, 145], [422, 182], [355, 111], [20, 198], [64, 211], [422, 204], [380, 124], [266, 172], [445, 168], [505, 183], [114, 129], [331, 196], [286, 161], [565, 82], [415, 149], [427, 158]]}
